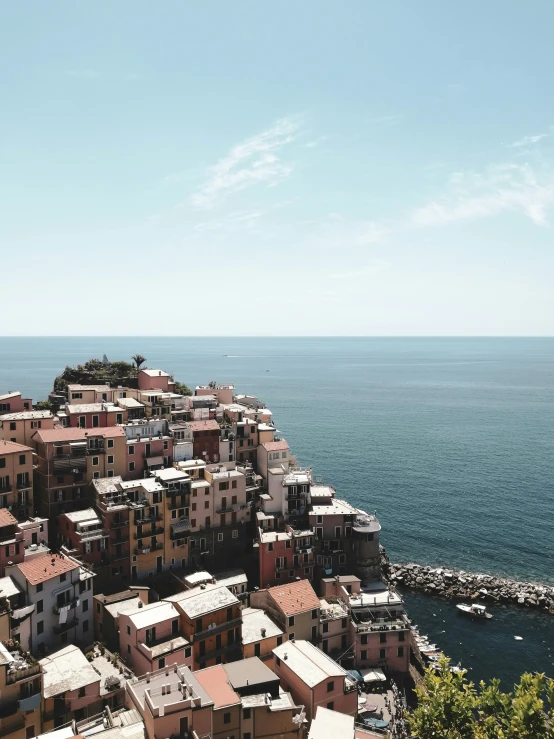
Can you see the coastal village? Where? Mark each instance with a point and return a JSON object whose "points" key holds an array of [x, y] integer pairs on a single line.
{"points": [[167, 569]]}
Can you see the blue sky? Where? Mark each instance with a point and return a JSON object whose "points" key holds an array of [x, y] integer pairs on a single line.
{"points": [[250, 168]]}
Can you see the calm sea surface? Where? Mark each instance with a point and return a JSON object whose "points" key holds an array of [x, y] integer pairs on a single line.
{"points": [[451, 441]]}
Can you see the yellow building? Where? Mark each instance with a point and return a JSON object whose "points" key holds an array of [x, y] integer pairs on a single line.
{"points": [[20, 427], [16, 479]]}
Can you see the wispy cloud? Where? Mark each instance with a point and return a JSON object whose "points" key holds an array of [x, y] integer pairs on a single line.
{"points": [[254, 162], [501, 188], [315, 142], [527, 140]]}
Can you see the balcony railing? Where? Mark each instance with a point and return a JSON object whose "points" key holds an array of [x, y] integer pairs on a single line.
{"points": [[217, 630], [146, 550], [235, 646], [71, 605], [61, 628], [91, 533], [154, 531], [119, 524], [6, 488], [14, 676], [24, 484], [69, 462], [281, 567], [18, 722], [92, 451]]}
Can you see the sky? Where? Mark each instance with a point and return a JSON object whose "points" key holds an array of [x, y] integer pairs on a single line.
{"points": [[277, 168]]}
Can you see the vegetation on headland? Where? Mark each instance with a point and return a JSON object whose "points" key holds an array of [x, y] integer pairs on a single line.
{"points": [[451, 707], [98, 372]]}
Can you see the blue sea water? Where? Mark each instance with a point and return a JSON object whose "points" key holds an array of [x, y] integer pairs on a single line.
{"points": [[450, 440]]}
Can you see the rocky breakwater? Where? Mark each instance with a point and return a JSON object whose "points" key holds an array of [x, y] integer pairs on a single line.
{"points": [[458, 584]]}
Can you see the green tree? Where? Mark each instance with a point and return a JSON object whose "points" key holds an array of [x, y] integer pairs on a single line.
{"points": [[138, 359], [182, 389]]}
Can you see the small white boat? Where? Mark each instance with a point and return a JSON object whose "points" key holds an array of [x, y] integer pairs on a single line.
{"points": [[474, 611]]}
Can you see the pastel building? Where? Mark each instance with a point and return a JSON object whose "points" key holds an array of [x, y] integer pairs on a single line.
{"points": [[83, 394], [12, 544], [284, 555], [210, 618], [108, 608], [20, 426], [155, 379], [94, 415], [150, 638], [14, 403], [314, 679], [172, 702], [294, 607], [20, 689], [227, 705], [260, 635], [59, 589], [71, 688], [16, 479]]}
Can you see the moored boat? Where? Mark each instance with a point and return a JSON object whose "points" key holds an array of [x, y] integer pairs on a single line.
{"points": [[474, 611]]}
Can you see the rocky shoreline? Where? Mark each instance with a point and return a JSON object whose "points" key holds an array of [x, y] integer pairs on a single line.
{"points": [[471, 586]]}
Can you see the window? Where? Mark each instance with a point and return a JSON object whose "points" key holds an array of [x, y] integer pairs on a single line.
{"points": [[128, 630], [220, 537], [287, 544], [234, 484], [270, 546], [198, 624], [85, 605], [278, 661], [325, 627], [226, 718], [363, 654], [224, 486], [85, 626], [315, 613], [63, 577], [235, 534], [21, 459], [13, 426], [110, 443], [131, 466], [131, 450], [40, 627], [279, 641], [330, 705], [194, 506], [383, 638], [76, 396], [95, 461], [400, 651], [82, 692], [188, 652], [110, 458], [3, 462], [319, 519], [128, 649], [382, 654], [206, 504], [257, 650], [161, 663], [110, 473], [344, 623], [291, 620], [401, 636], [364, 638], [39, 606], [39, 587], [330, 686], [95, 475]]}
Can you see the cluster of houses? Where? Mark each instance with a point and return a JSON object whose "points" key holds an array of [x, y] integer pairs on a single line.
{"points": [[166, 569]]}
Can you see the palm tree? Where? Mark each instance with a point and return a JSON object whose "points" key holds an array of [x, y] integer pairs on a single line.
{"points": [[138, 359]]}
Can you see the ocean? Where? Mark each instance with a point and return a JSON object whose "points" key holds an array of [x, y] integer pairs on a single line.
{"points": [[449, 440]]}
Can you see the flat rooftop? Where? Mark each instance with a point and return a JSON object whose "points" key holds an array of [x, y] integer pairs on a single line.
{"points": [[153, 614], [249, 672], [202, 600], [253, 621], [174, 678], [215, 682], [65, 670], [309, 663]]}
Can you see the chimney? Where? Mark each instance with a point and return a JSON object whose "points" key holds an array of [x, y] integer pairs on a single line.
{"points": [[263, 632]]}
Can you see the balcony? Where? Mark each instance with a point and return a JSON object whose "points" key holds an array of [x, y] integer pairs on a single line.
{"points": [[92, 451], [146, 550], [71, 605], [226, 509], [16, 724], [217, 629], [91, 533], [154, 531], [151, 518], [14, 676], [24, 484], [67, 462], [212, 654], [62, 628], [179, 528], [281, 567], [6, 488], [172, 505], [119, 524]]}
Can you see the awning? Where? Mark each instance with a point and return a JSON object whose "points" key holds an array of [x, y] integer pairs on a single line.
{"points": [[180, 527], [154, 461], [373, 676], [77, 443]]}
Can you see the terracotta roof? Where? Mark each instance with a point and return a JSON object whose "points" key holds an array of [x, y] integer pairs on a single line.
{"points": [[10, 447], [6, 518], [295, 597], [275, 446], [71, 434], [215, 682], [41, 569], [155, 373], [203, 425]]}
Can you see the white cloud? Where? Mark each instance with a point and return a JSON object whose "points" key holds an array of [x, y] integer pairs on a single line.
{"points": [[528, 140], [501, 188], [315, 142], [256, 161]]}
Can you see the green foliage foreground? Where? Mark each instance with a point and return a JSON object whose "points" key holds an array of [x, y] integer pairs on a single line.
{"points": [[451, 707]]}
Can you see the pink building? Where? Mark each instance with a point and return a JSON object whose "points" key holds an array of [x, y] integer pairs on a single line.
{"points": [[172, 702], [12, 545], [94, 415], [285, 555], [150, 638], [314, 679], [223, 393], [146, 454], [294, 607], [14, 403], [154, 379]]}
